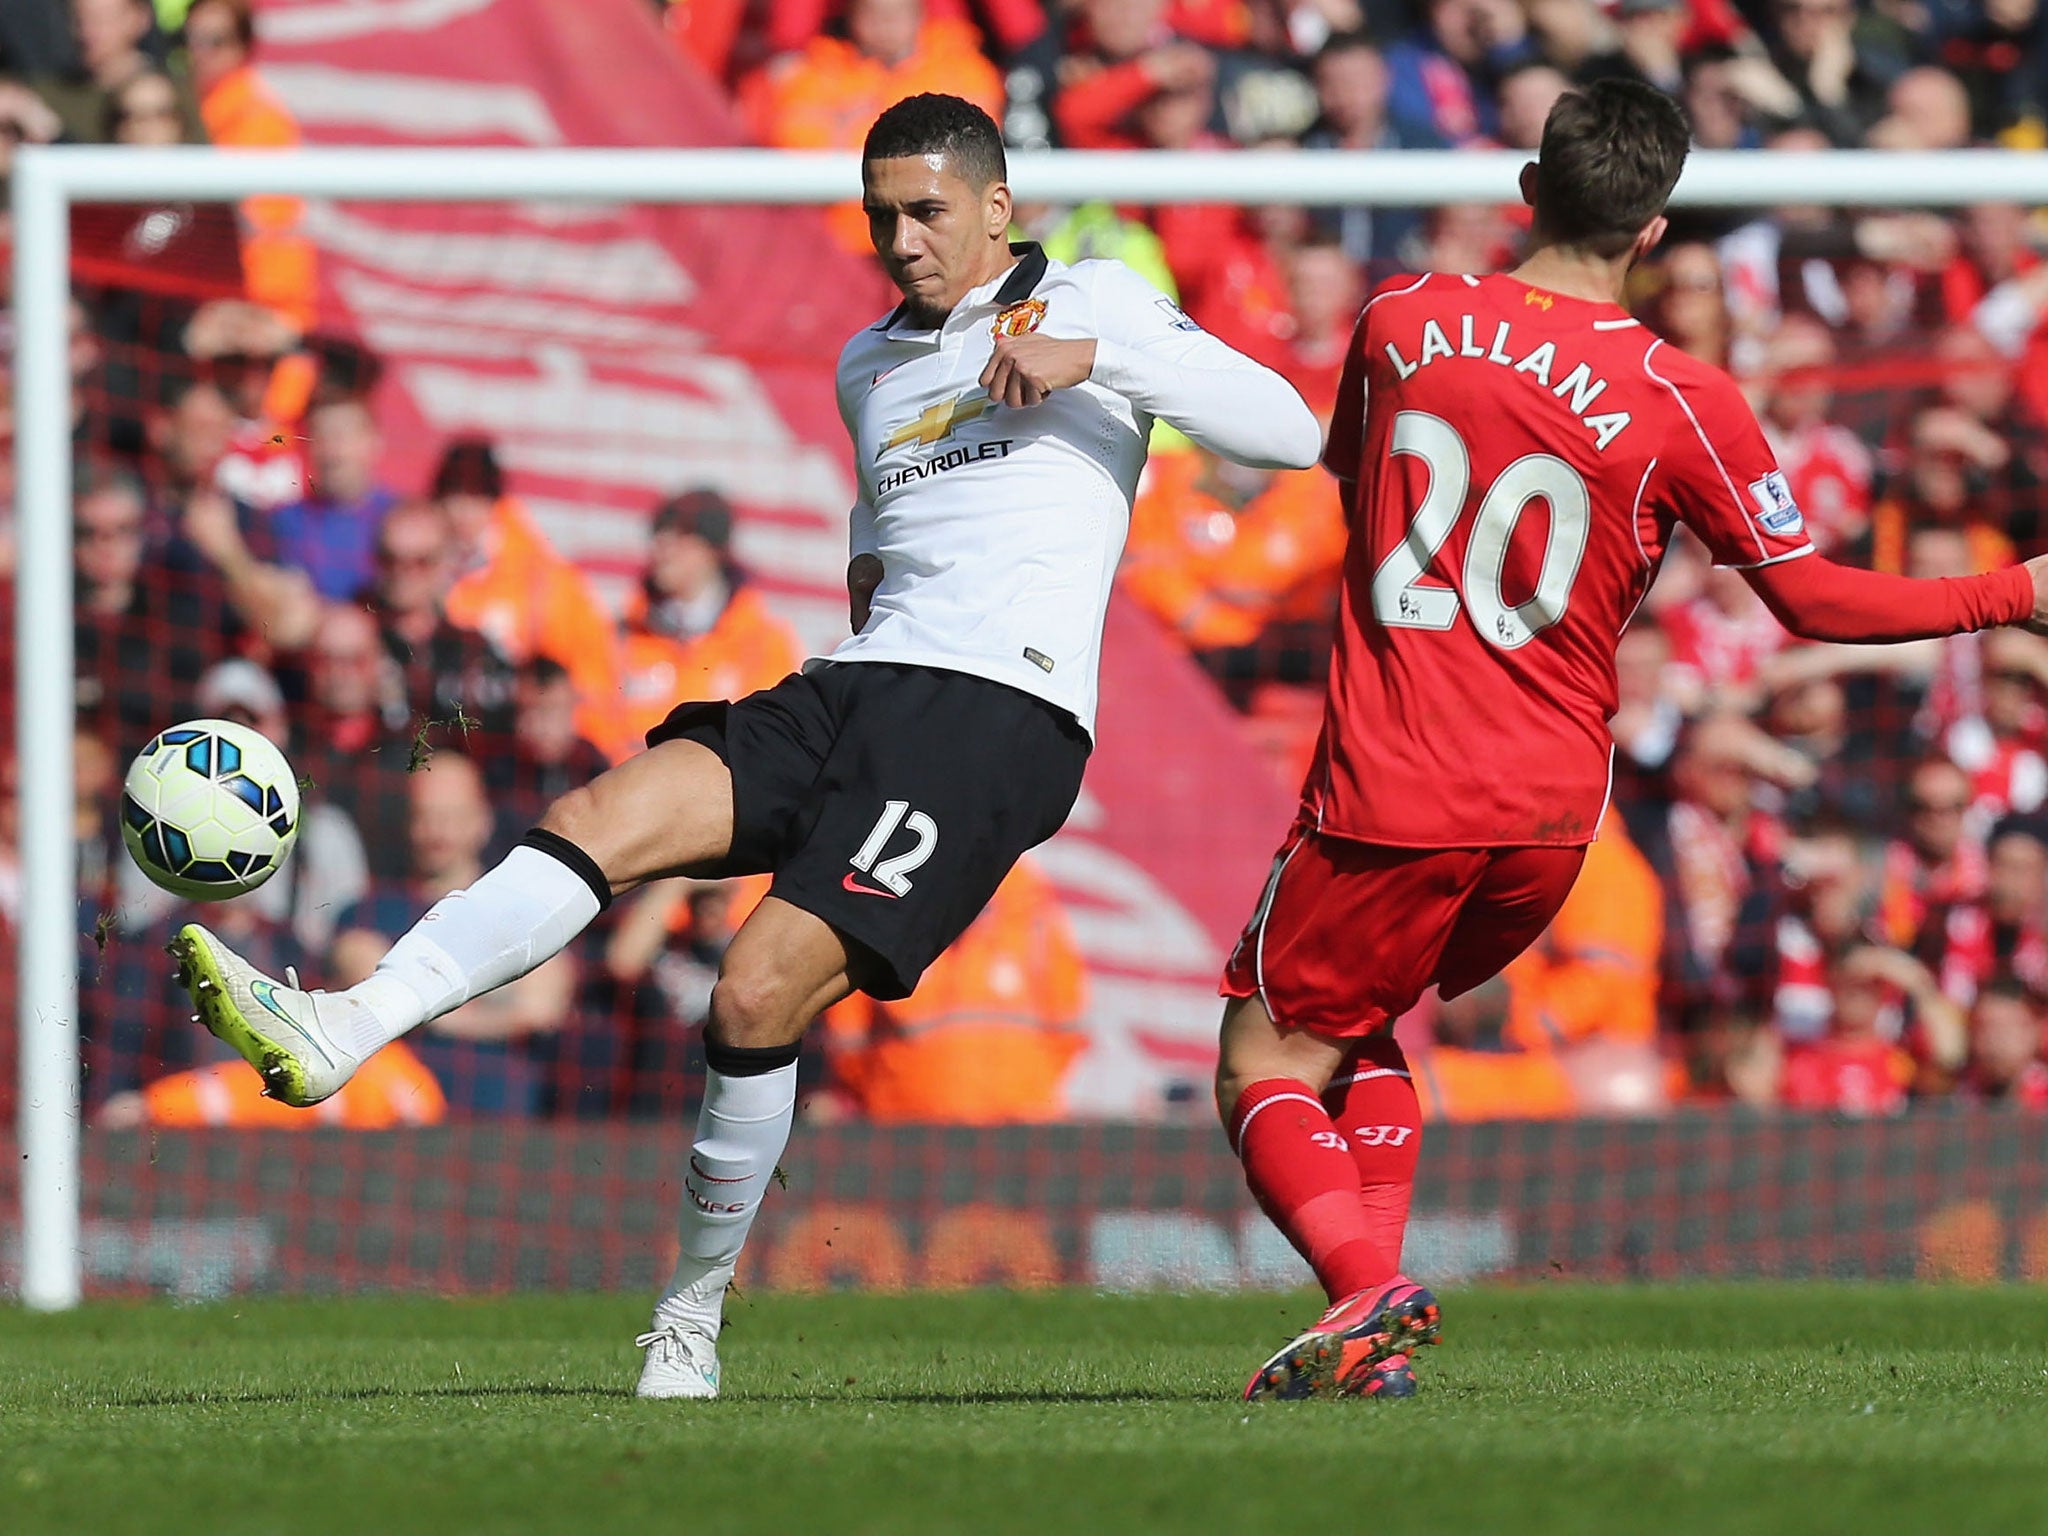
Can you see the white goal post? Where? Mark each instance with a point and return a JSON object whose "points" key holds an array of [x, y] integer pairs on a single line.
{"points": [[46, 182]]}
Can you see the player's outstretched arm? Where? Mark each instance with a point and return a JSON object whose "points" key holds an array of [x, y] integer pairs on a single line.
{"points": [[1161, 361], [1819, 600]]}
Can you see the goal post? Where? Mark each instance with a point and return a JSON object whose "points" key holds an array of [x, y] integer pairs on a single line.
{"points": [[47, 182]]}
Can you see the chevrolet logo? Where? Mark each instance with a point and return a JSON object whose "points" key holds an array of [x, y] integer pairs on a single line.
{"points": [[938, 422]]}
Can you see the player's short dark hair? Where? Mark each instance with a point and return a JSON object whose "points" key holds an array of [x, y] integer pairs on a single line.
{"points": [[1611, 154], [932, 124]]}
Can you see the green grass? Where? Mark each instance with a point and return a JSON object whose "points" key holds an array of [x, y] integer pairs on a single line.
{"points": [[1551, 1409]]}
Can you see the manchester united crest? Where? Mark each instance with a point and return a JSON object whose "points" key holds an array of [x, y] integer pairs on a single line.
{"points": [[1020, 319]]}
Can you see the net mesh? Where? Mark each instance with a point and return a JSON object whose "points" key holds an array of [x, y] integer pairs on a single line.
{"points": [[477, 492]]}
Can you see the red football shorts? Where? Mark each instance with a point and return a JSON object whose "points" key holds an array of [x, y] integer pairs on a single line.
{"points": [[1348, 935]]}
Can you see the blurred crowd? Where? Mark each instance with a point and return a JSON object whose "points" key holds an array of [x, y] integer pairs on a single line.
{"points": [[1824, 879]]}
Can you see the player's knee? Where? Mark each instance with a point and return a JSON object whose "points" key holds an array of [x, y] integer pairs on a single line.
{"points": [[751, 1009], [575, 817]]}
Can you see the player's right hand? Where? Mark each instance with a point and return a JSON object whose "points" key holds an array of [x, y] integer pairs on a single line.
{"points": [[2038, 569]]}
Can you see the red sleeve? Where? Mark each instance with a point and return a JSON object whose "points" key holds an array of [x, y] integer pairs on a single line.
{"points": [[1089, 111], [1716, 474], [1820, 600]]}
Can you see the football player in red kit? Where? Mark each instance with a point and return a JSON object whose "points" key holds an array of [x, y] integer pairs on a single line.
{"points": [[1516, 451]]}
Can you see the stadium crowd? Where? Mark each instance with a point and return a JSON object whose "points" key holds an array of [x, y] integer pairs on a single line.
{"points": [[1824, 879]]}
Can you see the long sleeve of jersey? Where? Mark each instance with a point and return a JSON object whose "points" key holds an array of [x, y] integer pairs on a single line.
{"points": [[1166, 365], [1820, 600]]}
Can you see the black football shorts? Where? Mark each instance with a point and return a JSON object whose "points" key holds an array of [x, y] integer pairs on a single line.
{"points": [[888, 800]]}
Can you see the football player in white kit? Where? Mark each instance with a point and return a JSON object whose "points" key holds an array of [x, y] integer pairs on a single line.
{"points": [[999, 419]]}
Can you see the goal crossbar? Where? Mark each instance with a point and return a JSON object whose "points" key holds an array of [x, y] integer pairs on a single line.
{"points": [[46, 182]]}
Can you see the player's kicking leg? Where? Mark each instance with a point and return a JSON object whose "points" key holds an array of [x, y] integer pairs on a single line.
{"points": [[666, 810], [1276, 1089]]}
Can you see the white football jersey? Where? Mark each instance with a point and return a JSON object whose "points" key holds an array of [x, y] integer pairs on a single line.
{"points": [[999, 529]]}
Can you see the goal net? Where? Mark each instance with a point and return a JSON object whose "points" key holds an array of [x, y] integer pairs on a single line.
{"points": [[453, 473]]}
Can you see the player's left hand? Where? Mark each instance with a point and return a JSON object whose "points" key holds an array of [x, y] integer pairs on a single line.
{"points": [[1023, 370]]}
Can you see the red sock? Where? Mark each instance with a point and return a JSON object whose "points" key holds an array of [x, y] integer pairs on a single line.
{"points": [[1304, 1179], [1372, 1103]]}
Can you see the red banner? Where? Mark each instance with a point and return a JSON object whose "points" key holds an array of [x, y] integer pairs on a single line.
{"points": [[618, 353]]}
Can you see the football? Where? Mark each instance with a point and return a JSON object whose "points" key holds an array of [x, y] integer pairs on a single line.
{"points": [[210, 809]]}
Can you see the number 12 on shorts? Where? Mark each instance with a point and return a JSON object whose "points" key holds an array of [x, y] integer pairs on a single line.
{"points": [[894, 873]]}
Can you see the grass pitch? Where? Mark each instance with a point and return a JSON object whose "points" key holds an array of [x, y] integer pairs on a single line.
{"points": [[1551, 1409]]}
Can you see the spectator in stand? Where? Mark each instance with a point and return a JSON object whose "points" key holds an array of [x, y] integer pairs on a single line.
{"points": [[1651, 35], [989, 1034], [1526, 96], [696, 628], [513, 588], [1444, 79], [1721, 639], [1859, 1068], [1123, 53], [117, 40], [1996, 50], [1472, 1073], [1718, 857], [1009, 26], [2005, 1065], [1590, 982], [144, 632], [828, 95], [453, 677], [1978, 382], [1230, 265], [242, 112], [1937, 863], [1827, 465], [1951, 460], [331, 535], [352, 740], [1325, 289], [1472, 237], [1688, 306], [546, 757], [2000, 746], [391, 1089], [251, 354], [1647, 718], [329, 867], [1927, 109], [477, 1053], [144, 111], [1721, 115], [1829, 907], [2002, 935], [1840, 81], [1238, 563], [1351, 89]]}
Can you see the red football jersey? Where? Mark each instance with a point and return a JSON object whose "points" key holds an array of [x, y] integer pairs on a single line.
{"points": [[1516, 460]]}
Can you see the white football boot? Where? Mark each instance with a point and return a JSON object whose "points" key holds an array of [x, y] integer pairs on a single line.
{"points": [[277, 1028], [682, 1347]]}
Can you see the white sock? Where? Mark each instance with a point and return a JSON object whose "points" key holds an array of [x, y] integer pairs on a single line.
{"points": [[515, 917], [741, 1131]]}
